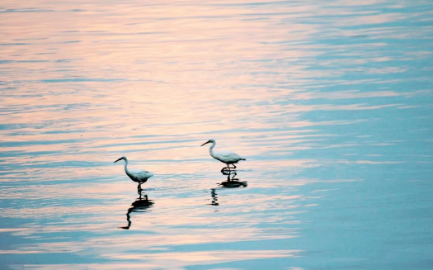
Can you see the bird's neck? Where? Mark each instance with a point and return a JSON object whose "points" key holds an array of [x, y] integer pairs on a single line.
{"points": [[211, 148], [126, 167]]}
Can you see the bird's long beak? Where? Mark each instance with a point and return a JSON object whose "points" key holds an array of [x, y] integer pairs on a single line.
{"points": [[205, 143], [118, 159]]}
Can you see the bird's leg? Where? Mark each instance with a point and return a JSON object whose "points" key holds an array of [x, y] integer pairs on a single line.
{"points": [[234, 166], [139, 189]]}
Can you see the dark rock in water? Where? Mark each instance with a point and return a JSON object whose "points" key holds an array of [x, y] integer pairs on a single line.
{"points": [[234, 184]]}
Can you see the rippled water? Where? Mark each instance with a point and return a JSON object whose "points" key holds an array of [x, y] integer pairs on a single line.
{"points": [[331, 102]]}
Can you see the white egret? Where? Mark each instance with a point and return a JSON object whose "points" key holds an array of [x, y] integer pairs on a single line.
{"points": [[229, 158], [139, 176]]}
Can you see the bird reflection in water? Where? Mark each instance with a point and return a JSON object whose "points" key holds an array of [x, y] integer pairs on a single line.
{"points": [[141, 204], [231, 182], [214, 197]]}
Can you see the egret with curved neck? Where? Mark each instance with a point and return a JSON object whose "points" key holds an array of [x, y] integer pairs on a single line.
{"points": [[139, 176], [229, 158]]}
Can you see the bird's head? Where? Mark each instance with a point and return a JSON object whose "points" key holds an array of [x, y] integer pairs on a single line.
{"points": [[124, 158], [210, 141]]}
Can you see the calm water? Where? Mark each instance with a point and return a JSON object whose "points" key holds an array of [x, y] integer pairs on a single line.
{"points": [[331, 102]]}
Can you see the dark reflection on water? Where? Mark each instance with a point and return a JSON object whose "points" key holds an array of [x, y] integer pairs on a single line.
{"points": [[232, 180], [214, 197], [141, 204]]}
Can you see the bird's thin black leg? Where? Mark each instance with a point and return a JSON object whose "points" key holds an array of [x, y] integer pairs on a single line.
{"points": [[234, 166], [139, 189]]}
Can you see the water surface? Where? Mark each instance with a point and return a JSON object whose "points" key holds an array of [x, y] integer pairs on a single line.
{"points": [[330, 102]]}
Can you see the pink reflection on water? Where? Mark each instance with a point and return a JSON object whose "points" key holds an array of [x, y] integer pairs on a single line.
{"points": [[179, 260], [152, 82]]}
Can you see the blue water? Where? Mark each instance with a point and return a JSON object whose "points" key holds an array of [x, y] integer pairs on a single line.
{"points": [[330, 102]]}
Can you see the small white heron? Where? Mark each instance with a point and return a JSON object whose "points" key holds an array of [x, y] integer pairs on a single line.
{"points": [[224, 156], [139, 176]]}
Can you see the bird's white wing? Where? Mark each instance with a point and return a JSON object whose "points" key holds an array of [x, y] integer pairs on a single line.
{"points": [[228, 156], [226, 153], [141, 174]]}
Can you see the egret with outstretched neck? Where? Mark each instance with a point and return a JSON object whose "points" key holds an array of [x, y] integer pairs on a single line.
{"points": [[229, 158], [139, 176]]}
